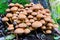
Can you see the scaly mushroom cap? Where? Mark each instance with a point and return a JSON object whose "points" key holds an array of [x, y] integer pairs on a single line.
{"points": [[19, 31], [22, 25], [21, 16], [36, 24], [5, 19], [11, 4], [9, 15], [14, 9], [7, 10], [26, 31]]}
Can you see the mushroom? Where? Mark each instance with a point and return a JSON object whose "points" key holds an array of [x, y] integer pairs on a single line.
{"points": [[14, 9], [47, 19], [30, 16], [28, 23], [43, 27], [8, 10], [22, 25], [26, 20], [17, 21], [9, 15], [34, 13], [11, 4], [42, 21], [36, 24], [19, 31], [35, 18], [29, 11], [11, 27], [5, 19], [21, 16], [47, 10], [26, 31], [49, 27], [49, 24], [14, 18], [27, 5], [56, 26], [39, 15], [32, 20], [31, 28], [48, 31]]}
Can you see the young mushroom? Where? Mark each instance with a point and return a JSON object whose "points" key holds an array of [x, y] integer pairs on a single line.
{"points": [[28, 23], [19, 31], [26, 31], [11, 27], [14, 9], [43, 27], [32, 20], [30, 16], [21, 16], [36, 24], [22, 25], [9, 15], [34, 13], [48, 31], [42, 21], [11, 4], [8, 10]]}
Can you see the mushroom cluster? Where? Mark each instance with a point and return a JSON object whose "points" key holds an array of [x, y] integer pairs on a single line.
{"points": [[23, 19]]}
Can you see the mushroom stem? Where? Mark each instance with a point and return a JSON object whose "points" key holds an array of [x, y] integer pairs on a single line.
{"points": [[7, 23], [10, 20], [16, 36]]}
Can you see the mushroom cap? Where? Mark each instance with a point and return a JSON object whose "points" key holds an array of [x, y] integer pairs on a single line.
{"points": [[49, 27], [39, 15], [11, 4], [34, 13], [14, 18], [43, 27], [30, 16], [9, 15], [35, 18], [31, 28], [8, 10], [26, 31], [28, 23], [19, 31], [21, 16], [5, 19], [48, 31], [15, 15], [17, 4], [11, 27], [22, 25], [27, 5], [26, 20], [56, 26], [47, 19], [18, 21], [50, 24], [32, 20], [42, 21], [14, 8], [36, 24], [21, 6], [29, 11], [47, 10]]}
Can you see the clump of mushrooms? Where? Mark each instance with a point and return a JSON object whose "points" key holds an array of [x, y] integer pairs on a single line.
{"points": [[24, 19]]}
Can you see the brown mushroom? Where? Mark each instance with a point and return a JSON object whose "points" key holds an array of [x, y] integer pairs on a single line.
{"points": [[22, 25], [34, 13], [42, 21], [36, 24], [14, 9], [32, 20], [28, 23], [19, 31], [49, 24], [43, 27], [30, 16], [35, 18], [48, 31], [11, 4], [8, 10], [21, 16], [11, 27], [26, 31]]}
